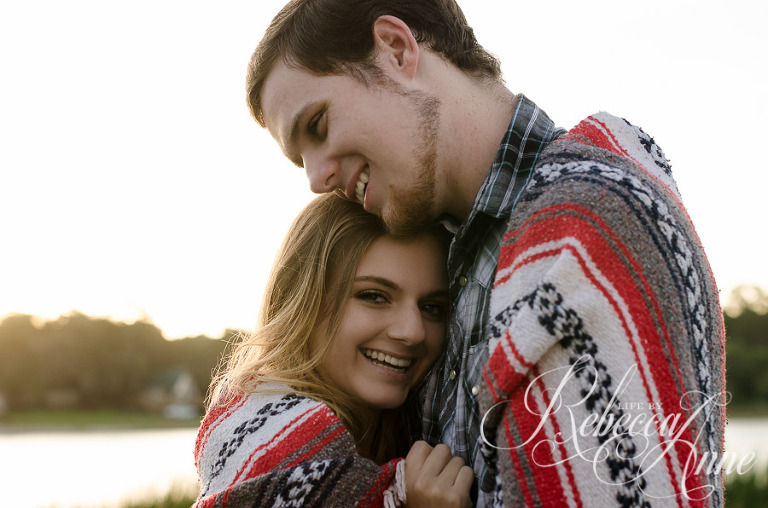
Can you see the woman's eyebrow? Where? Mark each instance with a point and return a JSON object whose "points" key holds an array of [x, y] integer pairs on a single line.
{"points": [[379, 280], [440, 293]]}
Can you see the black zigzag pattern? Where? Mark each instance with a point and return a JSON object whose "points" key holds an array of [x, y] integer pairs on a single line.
{"points": [[250, 426], [596, 387]]}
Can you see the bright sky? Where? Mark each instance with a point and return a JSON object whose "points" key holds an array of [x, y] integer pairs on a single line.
{"points": [[133, 182]]}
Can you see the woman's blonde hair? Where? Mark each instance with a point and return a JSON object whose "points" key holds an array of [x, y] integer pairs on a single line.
{"points": [[308, 286]]}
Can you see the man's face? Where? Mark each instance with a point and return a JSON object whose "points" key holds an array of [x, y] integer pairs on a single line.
{"points": [[376, 143]]}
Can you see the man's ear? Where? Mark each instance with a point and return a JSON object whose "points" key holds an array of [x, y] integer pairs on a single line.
{"points": [[395, 46]]}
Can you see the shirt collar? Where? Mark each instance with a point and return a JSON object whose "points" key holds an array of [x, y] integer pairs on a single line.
{"points": [[529, 132]]}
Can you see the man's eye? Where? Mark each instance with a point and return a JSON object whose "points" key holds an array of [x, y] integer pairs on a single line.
{"points": [[314, 124]]}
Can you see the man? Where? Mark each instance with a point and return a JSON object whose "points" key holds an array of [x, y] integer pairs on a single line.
{"points": [[584, 364]]}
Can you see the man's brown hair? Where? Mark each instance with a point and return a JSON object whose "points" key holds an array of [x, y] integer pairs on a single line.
{"points": [[336, 36]]}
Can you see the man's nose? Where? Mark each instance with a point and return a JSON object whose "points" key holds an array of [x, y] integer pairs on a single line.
{"points": [[408, 326], [324, 174]]}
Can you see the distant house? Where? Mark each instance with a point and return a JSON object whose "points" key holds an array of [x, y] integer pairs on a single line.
{"points": [[174, 394]]}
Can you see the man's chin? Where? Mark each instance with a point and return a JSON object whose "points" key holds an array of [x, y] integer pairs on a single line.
{"points": [[407, 224]]}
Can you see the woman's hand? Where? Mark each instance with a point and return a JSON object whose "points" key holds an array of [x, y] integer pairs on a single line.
{"points": [[433, 477]]}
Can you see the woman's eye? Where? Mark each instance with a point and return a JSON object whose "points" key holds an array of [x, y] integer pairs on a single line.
{"points": [[434, 310], [371, 297]]}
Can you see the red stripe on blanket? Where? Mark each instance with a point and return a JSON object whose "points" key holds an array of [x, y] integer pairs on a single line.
{"points": [[500, 369], [658, 361], [611, 139], [213, 418], [518, 356], [563, 452], [374, 496], [568, 220], [208, 502], [296, 436], [291, 438], [517, 401], [605, 138], [333, 432], [546, 481], [547, 478]]}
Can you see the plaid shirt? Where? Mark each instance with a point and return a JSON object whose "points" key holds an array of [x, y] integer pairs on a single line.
{"points": [[450, 410]]}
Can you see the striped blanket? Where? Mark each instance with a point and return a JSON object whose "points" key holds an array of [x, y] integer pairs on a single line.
{"points": [[287, 450], [605, 381]]}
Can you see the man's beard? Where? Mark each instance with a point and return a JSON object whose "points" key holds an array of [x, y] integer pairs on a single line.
{"points": [[413, 209]]}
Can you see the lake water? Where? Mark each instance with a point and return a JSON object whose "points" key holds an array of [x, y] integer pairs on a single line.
{"points": [[101, 468], [94, 468]]}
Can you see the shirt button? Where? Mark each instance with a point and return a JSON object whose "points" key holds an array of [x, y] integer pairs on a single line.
{"points": [[475, 390], [462, 281], [452, 375]]}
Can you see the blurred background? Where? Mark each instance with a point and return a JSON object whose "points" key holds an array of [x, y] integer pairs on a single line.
{"points": [[141, 207]]}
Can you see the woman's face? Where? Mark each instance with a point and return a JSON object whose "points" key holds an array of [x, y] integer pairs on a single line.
{"points": [[393, 323]]}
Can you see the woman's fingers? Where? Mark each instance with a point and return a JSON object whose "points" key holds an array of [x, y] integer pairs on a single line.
{"points": [[418, 453], [451, 470], [464, 479], [425, 461], [415, 459], [438, 459], [436, 478]]}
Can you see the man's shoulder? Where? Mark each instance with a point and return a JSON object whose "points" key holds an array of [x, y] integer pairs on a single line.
{"points": [[605, 167], [608, 141], [601, 159]]}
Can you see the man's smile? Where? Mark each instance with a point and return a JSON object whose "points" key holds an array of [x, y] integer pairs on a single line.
{"points": [[362, 183]]}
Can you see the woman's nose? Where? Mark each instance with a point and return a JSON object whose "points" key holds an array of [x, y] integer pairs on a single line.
{"points": [[408, 326]]}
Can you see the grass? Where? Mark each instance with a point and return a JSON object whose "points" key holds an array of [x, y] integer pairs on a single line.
{"points": [[179, 496], [83, 420], [166, 502], [748, 490], [754, 410], [741, 491]]}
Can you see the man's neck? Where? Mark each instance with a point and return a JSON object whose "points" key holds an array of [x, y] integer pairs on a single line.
{"points": [[473, 125]]}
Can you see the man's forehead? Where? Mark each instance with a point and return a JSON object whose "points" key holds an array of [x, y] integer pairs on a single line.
{"points": [[284, 96], [275, 96]]}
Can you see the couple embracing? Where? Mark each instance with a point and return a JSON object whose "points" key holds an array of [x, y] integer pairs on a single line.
{"points": [[482, 309]]}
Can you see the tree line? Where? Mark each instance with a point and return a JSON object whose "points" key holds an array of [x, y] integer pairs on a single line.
{"points": [[746, 349], [81, 362]]}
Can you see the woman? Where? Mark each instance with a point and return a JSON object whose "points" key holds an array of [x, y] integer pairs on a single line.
{"points": [[312, 409]]}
